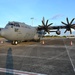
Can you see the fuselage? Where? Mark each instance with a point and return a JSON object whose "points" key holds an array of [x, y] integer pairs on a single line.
{"points": [[19, 31]]}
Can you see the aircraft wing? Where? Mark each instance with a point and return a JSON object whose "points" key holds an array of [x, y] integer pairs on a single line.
{"points": [[47, 27]]}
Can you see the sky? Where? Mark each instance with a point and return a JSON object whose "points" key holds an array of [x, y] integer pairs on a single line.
{"points": [[23, 10]]}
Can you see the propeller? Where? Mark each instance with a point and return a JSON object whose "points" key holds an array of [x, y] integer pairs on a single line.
{"points": [[45, 26], [68, 25]]}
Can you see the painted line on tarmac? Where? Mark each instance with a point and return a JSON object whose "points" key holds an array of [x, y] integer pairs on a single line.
{"points": [[9, 67], [45, 46], [69, 56], [19, 72], [53, 57]]}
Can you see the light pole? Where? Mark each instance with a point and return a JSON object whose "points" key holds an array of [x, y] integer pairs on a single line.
{"points": [[32, 20]]}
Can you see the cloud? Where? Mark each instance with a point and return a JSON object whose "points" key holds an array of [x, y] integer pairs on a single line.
{"points": [[56, 16]]}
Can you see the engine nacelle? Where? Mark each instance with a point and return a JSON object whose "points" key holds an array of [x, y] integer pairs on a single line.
{"points": [[58, 32]]}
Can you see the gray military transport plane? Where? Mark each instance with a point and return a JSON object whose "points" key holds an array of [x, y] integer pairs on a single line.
{"points": [[17, 32]]}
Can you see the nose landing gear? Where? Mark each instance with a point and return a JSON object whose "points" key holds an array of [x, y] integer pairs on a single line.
{"points": [[14, 42]]}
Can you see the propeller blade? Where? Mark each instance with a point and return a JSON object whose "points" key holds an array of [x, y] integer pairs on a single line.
{"points": [[46, 22], [65, 31], [67, 20], [48, 31], [43, 23], [40, 26], [45, 26], [73, 26], [69, 25], [70, 31], [50, 24], [72, 21], [63, 23], [43, 19]]}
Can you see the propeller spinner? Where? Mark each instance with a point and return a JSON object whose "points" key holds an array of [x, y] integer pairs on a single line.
{"points": [[68, 25], [45, 26]]}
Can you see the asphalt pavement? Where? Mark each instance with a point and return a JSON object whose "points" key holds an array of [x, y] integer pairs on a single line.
{"points": [[54, 57]]}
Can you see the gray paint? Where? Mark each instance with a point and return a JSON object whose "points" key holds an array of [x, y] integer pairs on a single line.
{"points": [[24, 32]]}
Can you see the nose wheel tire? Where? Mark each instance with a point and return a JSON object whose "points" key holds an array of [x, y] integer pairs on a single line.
{"points": [[15, 42]]}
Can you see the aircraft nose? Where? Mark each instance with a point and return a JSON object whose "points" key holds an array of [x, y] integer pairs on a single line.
{"points": [[2, 32]]}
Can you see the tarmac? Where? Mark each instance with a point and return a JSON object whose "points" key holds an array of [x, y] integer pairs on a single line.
{"points": [[53, 56]]}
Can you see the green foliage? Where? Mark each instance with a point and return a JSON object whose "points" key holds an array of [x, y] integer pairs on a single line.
{"points": [[53, 36], [64, 36]]}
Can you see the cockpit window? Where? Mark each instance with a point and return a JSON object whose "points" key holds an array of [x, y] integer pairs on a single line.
{"points": [[17, 24], [14, 24], [10, 23]]}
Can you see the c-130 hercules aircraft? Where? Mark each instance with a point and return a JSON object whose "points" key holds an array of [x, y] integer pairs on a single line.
{"points": [[17, 31]]}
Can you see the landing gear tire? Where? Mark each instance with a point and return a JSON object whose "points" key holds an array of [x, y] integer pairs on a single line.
{"points": [[38, 40], [15, 42]]}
